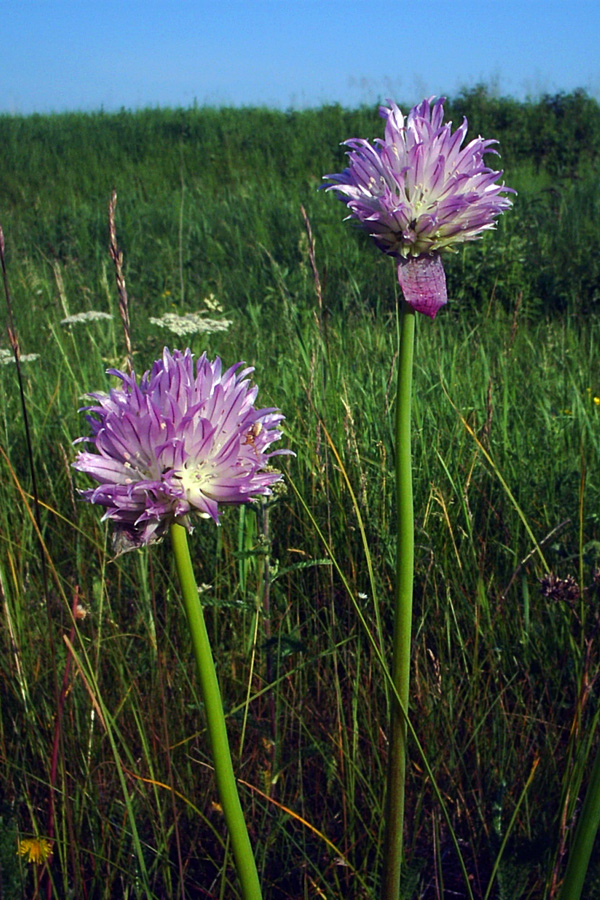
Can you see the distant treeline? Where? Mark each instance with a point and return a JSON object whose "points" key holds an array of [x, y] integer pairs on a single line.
{"points": [[558, 132], [224, 187]]}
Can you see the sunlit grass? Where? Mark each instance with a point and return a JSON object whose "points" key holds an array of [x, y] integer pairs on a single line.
{"points": [[506, 457]]}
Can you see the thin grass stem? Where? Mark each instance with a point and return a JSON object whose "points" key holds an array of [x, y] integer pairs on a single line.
{"points": [[583, 842]]}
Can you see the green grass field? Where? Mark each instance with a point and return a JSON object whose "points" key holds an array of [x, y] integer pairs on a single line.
{"points": [[102, 713]]}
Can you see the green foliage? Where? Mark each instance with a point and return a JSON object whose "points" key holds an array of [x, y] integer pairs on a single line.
{"points": [[558, 134], [503, 674], [12, 868], [207, 194]]}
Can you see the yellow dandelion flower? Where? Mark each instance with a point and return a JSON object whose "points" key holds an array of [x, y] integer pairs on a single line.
{"points": [[597, 401], [37, 850]]}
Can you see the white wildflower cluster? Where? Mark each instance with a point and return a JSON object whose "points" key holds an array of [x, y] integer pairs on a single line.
{"points": [[212, 303], [190, 323], [7, 357], [194, 322], [91, 315]]}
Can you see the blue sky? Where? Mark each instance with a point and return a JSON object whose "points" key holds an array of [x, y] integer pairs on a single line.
{"points": [[86, 54]]}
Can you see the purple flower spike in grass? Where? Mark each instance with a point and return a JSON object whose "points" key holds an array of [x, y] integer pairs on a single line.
{"points": [[418, 194], [183, 440]]}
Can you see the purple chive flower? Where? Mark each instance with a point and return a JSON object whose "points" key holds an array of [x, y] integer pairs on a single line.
{"points": [[183, 440], [418, 195]]}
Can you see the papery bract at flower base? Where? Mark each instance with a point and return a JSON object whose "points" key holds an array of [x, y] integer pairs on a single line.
{"points": [[183, 440], [418, 194], [423, 283]]}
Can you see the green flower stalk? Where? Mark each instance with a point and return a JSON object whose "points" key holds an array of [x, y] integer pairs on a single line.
{"points": [[405, 551], [418, 193], [215, 719], [167, 450]]}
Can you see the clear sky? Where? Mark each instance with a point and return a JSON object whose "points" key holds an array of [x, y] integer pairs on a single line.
{"points": [[86, 54]]}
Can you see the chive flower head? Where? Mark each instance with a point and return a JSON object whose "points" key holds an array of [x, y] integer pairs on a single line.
{"points": [[184, 439], [419, 193]]}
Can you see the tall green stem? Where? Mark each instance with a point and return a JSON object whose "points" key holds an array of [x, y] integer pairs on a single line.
{"points": [[585, 835], [217, 731], [402, 614]]}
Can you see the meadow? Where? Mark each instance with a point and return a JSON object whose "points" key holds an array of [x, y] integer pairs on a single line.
{"points": [[102, 745]]}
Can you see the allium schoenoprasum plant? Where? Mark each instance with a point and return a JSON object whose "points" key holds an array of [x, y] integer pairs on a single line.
{"points": [[503, 671], [165, 452], [418, 193]]}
